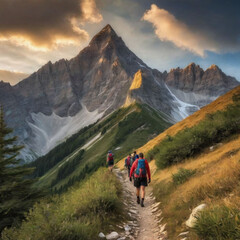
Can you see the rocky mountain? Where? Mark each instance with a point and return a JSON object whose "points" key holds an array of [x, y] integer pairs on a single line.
{"points": [[196, 86], [63, 97]]}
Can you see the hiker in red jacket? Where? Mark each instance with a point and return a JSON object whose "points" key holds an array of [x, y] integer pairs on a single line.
{"points": [[128, 163], [110, 160], [141, 168]]}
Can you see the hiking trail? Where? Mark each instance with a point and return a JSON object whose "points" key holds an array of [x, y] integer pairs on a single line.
{"points": [[147, 222]]}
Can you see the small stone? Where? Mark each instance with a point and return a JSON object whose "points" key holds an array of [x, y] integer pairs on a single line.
{"points": [[127, 228], [112, 235], [101, 235], [121, 238], [182, 234], [162, 227]]}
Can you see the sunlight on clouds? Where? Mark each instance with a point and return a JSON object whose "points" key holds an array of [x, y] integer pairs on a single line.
{"points": [[168, 28], [90, 11], [50, 29]]}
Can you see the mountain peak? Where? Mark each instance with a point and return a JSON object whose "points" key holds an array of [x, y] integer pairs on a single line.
{"points": [[104, 35], [214, 67]]}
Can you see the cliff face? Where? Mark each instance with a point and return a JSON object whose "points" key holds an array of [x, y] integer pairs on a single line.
{"points": [[62, 97], [196, 86]]}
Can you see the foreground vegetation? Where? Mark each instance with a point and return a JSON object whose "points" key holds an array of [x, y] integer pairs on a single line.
{"points": [[81, 213], [216, 182]]}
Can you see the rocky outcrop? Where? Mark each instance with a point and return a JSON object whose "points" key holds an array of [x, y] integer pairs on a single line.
{"points": [[196, 86]]}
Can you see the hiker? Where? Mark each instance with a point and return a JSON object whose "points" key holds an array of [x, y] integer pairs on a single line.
{"points": [[110, 160], [134, 157], [141, 168], [128, 163]]}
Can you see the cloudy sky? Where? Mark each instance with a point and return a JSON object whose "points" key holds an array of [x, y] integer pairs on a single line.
{"points": [[163, 33]]}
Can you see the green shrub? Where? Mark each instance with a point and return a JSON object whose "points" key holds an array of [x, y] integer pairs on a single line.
{"points": [[218, 223], [182, 175], [80, 213]]}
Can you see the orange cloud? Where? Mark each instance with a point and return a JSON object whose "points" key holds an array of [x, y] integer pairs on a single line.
{"points": [[46, 24], [168, 28]]}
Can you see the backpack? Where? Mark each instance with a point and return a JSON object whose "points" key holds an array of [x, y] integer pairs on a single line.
{"points": [[110, 157], [128, 162], [141, 168]]}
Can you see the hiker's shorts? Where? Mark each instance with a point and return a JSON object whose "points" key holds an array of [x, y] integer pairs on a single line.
{"points": [[140, 182], [110, 163]]}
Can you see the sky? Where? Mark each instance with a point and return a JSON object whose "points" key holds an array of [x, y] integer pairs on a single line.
{"points": [[165, 34]]}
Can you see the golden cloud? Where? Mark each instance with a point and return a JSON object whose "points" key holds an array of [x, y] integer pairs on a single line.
{"points": [[168, 28], [45, 24]]}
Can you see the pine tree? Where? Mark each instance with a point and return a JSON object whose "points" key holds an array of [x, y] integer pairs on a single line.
{"points": [[16, 192]]}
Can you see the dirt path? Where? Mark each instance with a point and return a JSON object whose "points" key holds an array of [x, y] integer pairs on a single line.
{"points": [[147, 221]]}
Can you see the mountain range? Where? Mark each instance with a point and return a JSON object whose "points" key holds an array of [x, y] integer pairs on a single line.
{"points": [[63, 97]]}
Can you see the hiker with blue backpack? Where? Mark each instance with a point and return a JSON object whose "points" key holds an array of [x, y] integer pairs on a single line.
{"points": [[110, 160], [142, 171], [128, 163]]}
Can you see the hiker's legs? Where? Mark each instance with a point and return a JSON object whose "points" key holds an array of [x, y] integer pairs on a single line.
{"points": [[143, 191], [137, 191]]}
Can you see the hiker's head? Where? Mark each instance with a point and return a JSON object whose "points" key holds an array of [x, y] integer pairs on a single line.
{"points": [[129, 154], [140, 155], [134, 153], [109, 151]]}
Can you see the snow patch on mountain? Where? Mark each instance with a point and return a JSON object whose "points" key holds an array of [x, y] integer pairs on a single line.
{"points": [[184, 109], [49, 131]]}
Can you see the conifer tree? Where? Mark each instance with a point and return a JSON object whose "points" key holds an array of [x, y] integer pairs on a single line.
{"points": [[16, 192]]}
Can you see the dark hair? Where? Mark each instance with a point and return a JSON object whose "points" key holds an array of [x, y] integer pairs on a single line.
{"points": [[129, 154], [141, 155], [134, 152]]}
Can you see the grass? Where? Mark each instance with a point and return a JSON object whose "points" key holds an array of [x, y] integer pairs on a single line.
{"points": [[216, 182], [81, 213], [182, 175], [218, 223]]}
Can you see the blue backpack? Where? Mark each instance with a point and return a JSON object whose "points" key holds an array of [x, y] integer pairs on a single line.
{"points": [[141, 168]]}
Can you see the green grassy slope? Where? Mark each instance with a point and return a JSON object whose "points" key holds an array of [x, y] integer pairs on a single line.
{"points": [[123, 131], [81, 213]]}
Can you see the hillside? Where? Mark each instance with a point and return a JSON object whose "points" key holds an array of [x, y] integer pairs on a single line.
{"points": [[122, 131], [211, 175]]}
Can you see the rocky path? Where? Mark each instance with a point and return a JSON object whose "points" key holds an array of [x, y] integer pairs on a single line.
{"points": [[146, 222]]}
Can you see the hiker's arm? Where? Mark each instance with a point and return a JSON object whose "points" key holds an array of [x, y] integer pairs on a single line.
{"points": [[148, 169]]}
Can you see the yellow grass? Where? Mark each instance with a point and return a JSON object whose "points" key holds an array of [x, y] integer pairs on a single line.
{"points": [[217, 181]]}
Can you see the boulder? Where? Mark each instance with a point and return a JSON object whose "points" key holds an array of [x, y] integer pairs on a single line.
{"points": [[193, 217], [112, 235]]}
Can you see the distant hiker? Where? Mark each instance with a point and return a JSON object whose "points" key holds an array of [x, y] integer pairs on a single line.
{"points": [[134, 157], [110, 160], [141, 168], [128, 163]]}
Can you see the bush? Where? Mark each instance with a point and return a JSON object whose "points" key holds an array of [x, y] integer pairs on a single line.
{"points": [[80, 213], [218, 223], [182, 175]]}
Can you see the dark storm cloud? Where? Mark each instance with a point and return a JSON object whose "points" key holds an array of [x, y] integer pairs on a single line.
{"points": [[45, 22]]}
